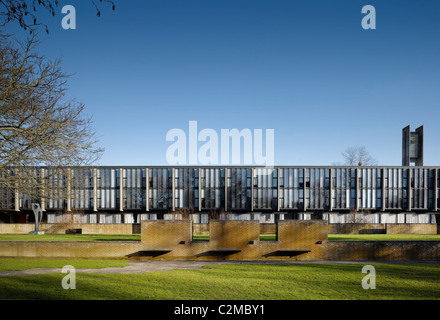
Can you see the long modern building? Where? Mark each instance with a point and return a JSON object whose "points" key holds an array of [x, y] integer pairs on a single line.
{"points": [[145, 191]]}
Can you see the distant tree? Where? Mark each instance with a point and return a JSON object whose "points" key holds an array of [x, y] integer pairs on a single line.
{"points": [[358, 156], [25, 12], [39, 125]]}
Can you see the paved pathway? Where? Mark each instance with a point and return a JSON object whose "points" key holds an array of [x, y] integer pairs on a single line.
{"points": [[133, 267], [161, 265]]}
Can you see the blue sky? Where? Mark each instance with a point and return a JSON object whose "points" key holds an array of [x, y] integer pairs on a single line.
{"points": [[306, 69]]}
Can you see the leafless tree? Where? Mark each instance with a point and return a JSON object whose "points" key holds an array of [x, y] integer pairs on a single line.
{"points": [[25, 12], [39, 125], [358, 156]]}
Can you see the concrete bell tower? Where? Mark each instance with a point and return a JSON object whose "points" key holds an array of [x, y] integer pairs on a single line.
{"points": [[412, 146]]}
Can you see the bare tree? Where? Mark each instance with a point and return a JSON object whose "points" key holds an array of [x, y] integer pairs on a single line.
{"points": [[358, 156], [25, 12], [39, 126]]}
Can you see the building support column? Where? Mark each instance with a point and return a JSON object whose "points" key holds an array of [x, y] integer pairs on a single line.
{"points": [[304, 190], [278, 190], [357, 190], [200, 190], [331, 189], [252, 189], [43, 190], [409, 190], [173, 189], [69, 187], [16, 193], [95, 190], [226, 189], [17, 199], [121, 190], [435, 189], [147, 189], [383, 188]]}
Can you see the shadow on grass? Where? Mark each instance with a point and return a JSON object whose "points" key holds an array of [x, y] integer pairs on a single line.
{"points": [[238, 281]]}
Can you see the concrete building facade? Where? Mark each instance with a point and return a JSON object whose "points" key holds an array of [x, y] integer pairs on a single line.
{"points": [[153, 192]]}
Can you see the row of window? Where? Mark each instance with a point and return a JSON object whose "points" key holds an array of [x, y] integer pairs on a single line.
{"points": [[232, 188]]}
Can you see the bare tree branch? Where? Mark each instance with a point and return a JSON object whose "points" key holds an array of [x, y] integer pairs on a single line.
{"points": [[39, 126], [25, 12], [358, 156]]}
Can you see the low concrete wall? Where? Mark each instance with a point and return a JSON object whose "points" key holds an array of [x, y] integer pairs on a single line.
{"points": [[268, 228], [356, 228], [68, 250], [415, 228], [233, 240], [265, 228], [16, 228], [110, 228], [382, 228], [332, 251], [105, 228], [92, 228], [382, 250], [350, 228], [200, 227], [230, 240]]}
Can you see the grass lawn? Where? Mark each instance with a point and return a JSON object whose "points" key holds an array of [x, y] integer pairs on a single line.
{"points": [[26, 264], [236, 281]]}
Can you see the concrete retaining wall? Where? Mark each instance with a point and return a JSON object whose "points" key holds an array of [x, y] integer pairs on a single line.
{"points": [[233, 240], [107, 228], [16, 228], [268, 228], [382, 250], [229, 240], [382, 228], [332, 251], [265, 228], [356, 228], [415, 228], [68, 250], [200, 227]]}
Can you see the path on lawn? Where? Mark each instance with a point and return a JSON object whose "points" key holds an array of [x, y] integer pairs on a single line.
{"points": [[133, 267], [162, 265], [149, 266]]}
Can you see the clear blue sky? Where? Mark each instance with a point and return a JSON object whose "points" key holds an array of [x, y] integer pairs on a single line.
{"points": [[306, 69]]}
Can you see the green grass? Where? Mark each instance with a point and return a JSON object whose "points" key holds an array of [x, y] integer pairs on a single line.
{"points": [[238, 281], [204, 236], [26, 264]]}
